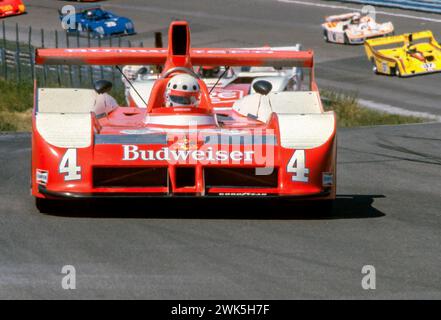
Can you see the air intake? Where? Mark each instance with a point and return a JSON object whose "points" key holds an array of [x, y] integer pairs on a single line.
{"points": [[180, 40], [239, 178], [130, 177], [185, 177]]}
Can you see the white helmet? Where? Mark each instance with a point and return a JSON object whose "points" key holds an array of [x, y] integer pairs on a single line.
{"points": [[182, 90]]}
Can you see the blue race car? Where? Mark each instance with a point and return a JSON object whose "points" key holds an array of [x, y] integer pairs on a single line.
{"points": [[100, 23]]}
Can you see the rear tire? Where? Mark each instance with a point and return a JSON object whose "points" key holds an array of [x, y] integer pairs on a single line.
{"points": [[397, 72]]}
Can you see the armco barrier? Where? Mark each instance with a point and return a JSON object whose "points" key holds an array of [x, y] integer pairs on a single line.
{"points": [[433, 6]]}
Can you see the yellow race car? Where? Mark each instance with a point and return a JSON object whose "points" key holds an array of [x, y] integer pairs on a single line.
{"points": [[405, 55]]}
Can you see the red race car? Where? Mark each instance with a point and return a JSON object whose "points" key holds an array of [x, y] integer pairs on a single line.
{"points": [[279, 144], [11, 8]]}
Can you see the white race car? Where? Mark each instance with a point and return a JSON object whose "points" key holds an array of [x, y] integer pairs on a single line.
{"points": [[226, 84], [354, 28]]}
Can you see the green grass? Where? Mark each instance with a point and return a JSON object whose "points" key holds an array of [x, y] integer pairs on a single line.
{"points": [[16, 102], [12, 45], [351, 114]]}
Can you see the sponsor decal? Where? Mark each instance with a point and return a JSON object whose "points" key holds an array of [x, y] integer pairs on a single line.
{"points": [[206, 146], [429, 66], [242, 194], [133, 153], [225, 96], [327, 179], [42, 177]]}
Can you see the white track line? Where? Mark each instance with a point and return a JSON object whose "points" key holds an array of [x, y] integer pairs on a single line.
{"points": [[396, 110], [322, 5]]}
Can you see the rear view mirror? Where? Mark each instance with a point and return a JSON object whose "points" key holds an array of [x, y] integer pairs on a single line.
{"points": [[263, 87], [102, 86]]}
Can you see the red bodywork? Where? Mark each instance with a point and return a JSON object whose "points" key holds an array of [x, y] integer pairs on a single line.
{"points": [[129, 156], [11, 8]]}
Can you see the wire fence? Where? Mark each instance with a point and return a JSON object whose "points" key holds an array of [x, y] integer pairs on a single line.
{"points": [[17, 57]]}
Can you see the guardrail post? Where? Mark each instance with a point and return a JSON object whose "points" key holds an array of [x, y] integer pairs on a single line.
{"points": [[31, 54], [5, 63], [80, 69], [17, 54], [44, 66], [58, 67], [70, 67]]}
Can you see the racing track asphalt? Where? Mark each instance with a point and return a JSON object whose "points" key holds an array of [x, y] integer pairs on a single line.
{"points": [[259, 22], [387, 215]]}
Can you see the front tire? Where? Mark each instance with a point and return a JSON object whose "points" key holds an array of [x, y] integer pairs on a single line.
{"points": [[397, 72], [325, 35], [45, 205], [323, 208]]}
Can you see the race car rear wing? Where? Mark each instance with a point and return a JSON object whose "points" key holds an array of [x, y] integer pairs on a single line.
{"points": [[404, 39], [179, 53], [155, 56], [343, 17]]}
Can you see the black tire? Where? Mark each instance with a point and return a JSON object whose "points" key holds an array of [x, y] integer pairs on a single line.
{"points": [[325, 35], [393, 71], [397, 71], [45, 205], [346, 39]]}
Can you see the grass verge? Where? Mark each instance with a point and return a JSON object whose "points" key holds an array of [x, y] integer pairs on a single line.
{"points": [[15, 106], [16, 103]]}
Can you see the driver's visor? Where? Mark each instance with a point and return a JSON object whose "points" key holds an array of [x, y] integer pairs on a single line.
{"points": [[181, 93], [183, 100]]}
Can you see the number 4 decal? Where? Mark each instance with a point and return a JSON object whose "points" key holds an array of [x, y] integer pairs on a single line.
{"points": [[297, 166], [69, 167]]}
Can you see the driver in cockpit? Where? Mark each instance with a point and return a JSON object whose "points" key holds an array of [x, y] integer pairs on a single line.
{"points": [[182, 91]]}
